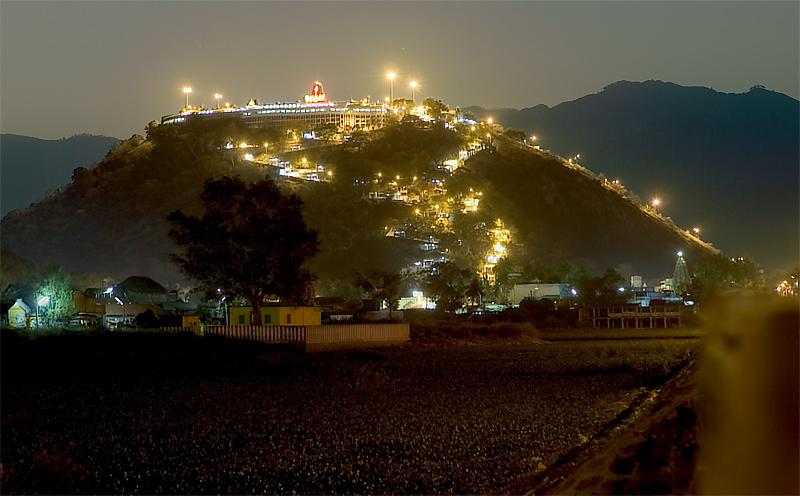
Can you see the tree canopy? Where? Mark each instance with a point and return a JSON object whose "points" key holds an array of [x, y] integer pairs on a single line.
{"points": [[57, 294], [449, 285], [603, 291], [720, 273], [252, 241], [382, 285]]}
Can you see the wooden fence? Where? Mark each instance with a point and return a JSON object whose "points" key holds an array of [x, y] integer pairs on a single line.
{"points": [[318, 337]]}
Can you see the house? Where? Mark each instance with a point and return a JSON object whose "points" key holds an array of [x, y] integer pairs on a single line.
{"points": [[277, 315], [139, 289], [19, 315]]}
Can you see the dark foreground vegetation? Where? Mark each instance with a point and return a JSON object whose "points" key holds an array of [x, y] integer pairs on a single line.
{"points": [[173, 413]]}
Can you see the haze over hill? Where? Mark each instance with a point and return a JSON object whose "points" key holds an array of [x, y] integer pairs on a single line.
{"points": [[726, 163], [32, 167]]}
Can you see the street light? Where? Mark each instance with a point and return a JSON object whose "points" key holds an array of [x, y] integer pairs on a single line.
{"points": [[656, 202], [217, 96], [187, 90], [391, 77], [413, 85]]}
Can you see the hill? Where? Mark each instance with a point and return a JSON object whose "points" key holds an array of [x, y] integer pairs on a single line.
{"points": [[32, 167], [727, 163], [111, 217]]}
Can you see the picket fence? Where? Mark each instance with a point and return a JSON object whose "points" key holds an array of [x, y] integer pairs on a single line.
{"points": [[318, 337]]}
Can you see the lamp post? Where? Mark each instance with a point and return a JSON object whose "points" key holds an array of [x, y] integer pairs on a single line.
{"points": [[187, 90], [413, 85], [218, 97], [42, 301], [391, 87], [655, 204]]}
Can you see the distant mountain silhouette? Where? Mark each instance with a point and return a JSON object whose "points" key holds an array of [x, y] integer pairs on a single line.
{"points": [[727, 163], [33, 167]]}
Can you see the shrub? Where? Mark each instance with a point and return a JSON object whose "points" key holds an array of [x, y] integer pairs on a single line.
{"points": [[513, 330]]}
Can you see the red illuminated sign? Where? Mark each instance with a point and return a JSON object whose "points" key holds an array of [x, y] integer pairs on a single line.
{"points": [[317, 94]]}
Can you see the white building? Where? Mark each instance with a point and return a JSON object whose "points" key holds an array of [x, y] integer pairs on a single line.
{"points": [[315, 111]]}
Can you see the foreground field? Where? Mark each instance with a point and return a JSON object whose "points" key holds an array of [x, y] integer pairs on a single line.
{"points": [[179, 414]]}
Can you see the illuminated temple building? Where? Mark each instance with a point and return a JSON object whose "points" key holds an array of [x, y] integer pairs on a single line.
{"points": [[314, 112]]}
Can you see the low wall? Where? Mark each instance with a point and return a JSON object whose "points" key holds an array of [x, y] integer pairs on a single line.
{"points": [[341, 336], [318, 337]]}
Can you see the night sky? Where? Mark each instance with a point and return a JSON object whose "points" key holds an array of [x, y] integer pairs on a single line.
{"points": [[109, 68]]}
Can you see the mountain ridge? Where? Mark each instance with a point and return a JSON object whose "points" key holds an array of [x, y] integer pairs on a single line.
{"points": [[31, 167], [706, 155]]}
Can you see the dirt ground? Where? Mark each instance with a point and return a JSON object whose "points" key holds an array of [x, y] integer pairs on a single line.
{"points": [[178, 414]]}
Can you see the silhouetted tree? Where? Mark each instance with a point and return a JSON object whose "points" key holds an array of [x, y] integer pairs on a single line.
{"points": [[602, 291], [251, 242], [718, 273], [383, 286], [435, 107], [515, 134], [448, 285], [15, 268]]}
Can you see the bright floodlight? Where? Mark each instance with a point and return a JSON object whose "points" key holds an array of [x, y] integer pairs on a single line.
{"points": [[656, 202], [43, 300], [680, 253], [489, 120], [391, 87], [187, 90]]}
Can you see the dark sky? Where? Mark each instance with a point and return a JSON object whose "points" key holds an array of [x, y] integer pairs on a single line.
{"points": [[111, 67]]}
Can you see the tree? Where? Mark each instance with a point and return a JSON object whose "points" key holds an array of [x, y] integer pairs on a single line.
{"points": [[435, 107], [603, 291], [719, 273], [383, 285], [448, 285], [57, 292], [252, 241], [475, 291], [15, 268], [503, 280], [515, 135]]}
